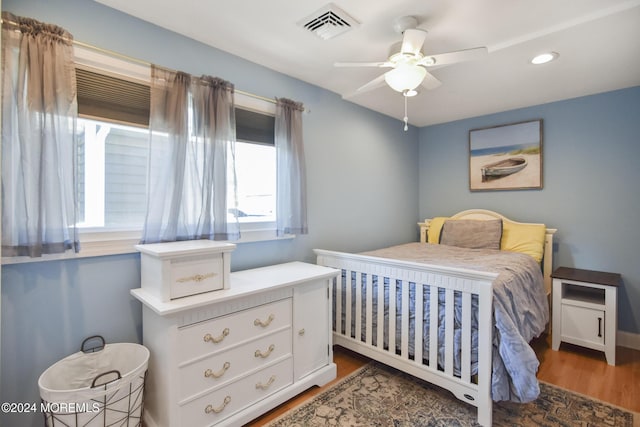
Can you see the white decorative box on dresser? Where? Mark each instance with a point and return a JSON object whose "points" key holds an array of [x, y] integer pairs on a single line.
{"points": [[226, 357], [179, 269]]}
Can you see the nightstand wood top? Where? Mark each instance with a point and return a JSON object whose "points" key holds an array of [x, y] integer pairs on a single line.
{"points": [[588, 276]]}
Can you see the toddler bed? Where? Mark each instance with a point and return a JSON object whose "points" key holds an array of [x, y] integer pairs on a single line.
{"points": [[457, 309]]}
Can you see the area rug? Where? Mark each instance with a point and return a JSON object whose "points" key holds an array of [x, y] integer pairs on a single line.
{"points": [[377, 395]]}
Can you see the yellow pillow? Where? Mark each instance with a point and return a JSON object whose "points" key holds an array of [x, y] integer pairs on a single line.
{"points": [[435, 226], [525, 238]]}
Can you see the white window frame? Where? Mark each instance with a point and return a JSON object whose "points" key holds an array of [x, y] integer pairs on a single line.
{"points": [[94, 242]]}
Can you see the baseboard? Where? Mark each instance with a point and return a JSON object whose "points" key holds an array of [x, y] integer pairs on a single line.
{"points": [[628, 339]]}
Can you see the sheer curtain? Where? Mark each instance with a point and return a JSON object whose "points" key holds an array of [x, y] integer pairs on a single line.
{"points": [[191, 159], [291, 182], [39, 111]]}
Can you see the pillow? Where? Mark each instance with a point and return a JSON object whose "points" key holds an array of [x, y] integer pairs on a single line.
{"points": [[472, 233], [433, 233], [525, 238]]}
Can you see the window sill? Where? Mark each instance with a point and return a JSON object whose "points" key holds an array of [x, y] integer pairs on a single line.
{"points": [[124, 243]]}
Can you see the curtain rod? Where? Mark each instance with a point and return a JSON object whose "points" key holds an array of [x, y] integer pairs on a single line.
{"points": [[147, 63], [140, 61]]}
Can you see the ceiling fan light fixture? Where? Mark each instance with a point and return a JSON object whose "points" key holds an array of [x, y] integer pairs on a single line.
{"points": [[405, 78], [428, 61], [544, 58], [397, 56]]}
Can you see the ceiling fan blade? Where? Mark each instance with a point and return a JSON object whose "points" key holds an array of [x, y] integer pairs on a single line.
{"points": [[373, 84], [363, 64], [413, 40], [453, 57], [430, 81]]}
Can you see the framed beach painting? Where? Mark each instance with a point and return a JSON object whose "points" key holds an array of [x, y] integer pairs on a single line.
{"points": [[507, 157]]}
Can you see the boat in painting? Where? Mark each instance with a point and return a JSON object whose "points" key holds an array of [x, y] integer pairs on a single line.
{"points": [[503, 168]]}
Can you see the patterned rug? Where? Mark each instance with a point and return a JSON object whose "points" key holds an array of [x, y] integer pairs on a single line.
{"points": [[377, 395]]}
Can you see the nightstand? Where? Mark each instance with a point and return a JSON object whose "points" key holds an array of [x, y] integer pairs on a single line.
{"points": [[585, 309]]}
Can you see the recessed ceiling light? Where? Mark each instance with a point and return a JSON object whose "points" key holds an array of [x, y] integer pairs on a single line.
{"points": [[544, 58]]}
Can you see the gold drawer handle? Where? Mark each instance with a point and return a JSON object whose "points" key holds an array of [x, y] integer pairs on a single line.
{"points": [[301, 332], [209, 338], [209, 409], [261, 386], [195, 278], [258, 353], [266, 323], [209, 373]]}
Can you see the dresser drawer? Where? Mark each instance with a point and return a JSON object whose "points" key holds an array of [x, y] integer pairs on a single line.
{"points": [[179, 269], [226, 366], [228, 400], [221, 333], [195, 276]]}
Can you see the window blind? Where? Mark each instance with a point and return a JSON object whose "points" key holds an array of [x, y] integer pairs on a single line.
{"points": [[107, 97], [255, 127]]}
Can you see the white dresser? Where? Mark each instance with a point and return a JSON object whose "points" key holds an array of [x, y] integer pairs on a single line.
{"points": [[225, 357]]}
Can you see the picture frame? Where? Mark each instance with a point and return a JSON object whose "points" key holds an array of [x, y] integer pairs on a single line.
{"points": [[506, 157]]}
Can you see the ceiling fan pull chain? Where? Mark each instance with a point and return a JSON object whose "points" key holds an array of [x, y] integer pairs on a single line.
{"points": [[406, 119]]}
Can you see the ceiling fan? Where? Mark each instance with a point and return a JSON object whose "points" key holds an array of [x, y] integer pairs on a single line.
{"points": [[409, 63]]}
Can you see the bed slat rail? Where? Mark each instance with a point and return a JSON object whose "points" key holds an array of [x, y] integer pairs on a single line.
{"points": [[390, 311]]}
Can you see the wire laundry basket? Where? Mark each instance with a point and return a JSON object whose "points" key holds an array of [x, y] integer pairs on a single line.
{"points": [[101, 385]]}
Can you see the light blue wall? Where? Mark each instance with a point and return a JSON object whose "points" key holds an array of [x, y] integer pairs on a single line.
{"points": [[591, 149], [357, 161]]}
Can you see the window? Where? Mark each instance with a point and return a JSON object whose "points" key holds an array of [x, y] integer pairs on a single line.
{"points": [[112, 173], [113, 104], [113, 142], [255, 166]]}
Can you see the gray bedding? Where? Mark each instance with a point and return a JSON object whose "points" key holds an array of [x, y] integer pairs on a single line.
{"points": [[520, 310]]}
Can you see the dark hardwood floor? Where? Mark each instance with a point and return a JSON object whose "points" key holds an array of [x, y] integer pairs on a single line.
{"points": [[574, 368]]}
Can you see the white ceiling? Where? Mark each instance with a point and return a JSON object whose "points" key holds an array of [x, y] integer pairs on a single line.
{"points": [[598, 42]]}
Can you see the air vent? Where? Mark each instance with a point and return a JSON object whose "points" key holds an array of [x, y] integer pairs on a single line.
{"points": [[328, 22]]}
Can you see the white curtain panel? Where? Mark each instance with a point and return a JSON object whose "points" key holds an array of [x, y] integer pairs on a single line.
{"points": [[39, 110], [191, 159], [291, 183]]}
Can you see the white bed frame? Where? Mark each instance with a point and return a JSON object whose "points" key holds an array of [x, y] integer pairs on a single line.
{"points": [[475, 390]]}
